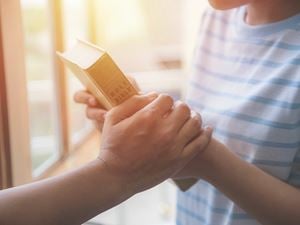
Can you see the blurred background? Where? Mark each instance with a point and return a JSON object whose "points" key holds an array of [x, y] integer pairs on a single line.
{"points": [[150, 40]]}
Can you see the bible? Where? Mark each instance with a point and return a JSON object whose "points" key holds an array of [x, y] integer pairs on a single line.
{"points": [[98, 73]]}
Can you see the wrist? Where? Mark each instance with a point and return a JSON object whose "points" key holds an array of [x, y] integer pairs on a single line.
{"points": [[200, 166], [209, 160], [118, 184]]}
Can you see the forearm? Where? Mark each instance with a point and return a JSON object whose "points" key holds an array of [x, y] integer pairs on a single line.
{"points": [[268, 199], [72, 198]]}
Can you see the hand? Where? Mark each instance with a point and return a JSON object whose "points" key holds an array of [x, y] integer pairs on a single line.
{"points": [[147, 139], [200, 166], [94, 110]]}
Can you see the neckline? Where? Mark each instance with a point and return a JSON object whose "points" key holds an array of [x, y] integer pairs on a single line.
{"points": [[247, 30]]}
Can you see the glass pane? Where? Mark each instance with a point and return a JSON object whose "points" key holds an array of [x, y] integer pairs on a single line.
{"points": [[75, 26], [40, 82], [139, 34]]}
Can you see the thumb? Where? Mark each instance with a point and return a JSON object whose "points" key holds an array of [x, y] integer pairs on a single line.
{"points": [[129, 107], [199, 144]]}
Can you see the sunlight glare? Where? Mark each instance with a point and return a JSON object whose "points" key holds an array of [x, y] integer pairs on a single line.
{"points": [[123, 19]]}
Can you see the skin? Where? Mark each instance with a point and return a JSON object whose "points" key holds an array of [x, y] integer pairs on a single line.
{"points": [[130, 161], [271, 11], [266, 198], [261, 11]]}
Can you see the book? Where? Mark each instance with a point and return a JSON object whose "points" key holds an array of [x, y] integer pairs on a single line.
{"points": [[102, 77], [98, 72]]}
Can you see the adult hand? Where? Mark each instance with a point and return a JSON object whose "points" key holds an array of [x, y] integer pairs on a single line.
{"points": [[147, 139]]}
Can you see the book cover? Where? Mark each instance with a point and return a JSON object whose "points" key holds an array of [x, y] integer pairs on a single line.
{"points": [[98, 73]]}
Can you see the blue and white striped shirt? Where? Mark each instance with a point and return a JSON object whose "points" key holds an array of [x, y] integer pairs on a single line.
{"points": [[246, 84]]}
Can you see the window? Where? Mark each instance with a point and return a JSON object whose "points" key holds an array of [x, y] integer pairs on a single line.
{"points": [[40, 83], [57, 124], [139, 34], [76, 25]]}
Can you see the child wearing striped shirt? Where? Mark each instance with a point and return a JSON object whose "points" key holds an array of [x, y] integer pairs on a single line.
{"points": [[246, 84]]}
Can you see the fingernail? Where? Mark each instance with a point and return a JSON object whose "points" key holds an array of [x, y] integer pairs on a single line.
{"points": [[92, 102], [177, 103], [193, 114], [209, 128], [152, 96]]}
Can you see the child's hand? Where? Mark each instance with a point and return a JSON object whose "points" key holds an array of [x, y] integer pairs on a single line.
{"points": [[145, 144], [94, 110], [200, 166]]}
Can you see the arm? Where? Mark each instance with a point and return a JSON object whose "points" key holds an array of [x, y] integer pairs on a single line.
{"points": [[268, 199], [145, 141], [71, 198], [265, 197]]}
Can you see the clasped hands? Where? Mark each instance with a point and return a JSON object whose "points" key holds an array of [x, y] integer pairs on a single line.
{"points": [[148, 138]]}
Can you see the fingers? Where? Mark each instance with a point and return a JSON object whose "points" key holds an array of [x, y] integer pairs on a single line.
{"points": [[160, 106], [93, 102], [198, 144], [129, 107], [179, 115], [96, 114], [84, 97], [190, 129]]}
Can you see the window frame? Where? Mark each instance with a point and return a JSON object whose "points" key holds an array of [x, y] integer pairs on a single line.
{"points": [[5, 160], [16, 101], [15, 162], [76, 141], [60, 80]]}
